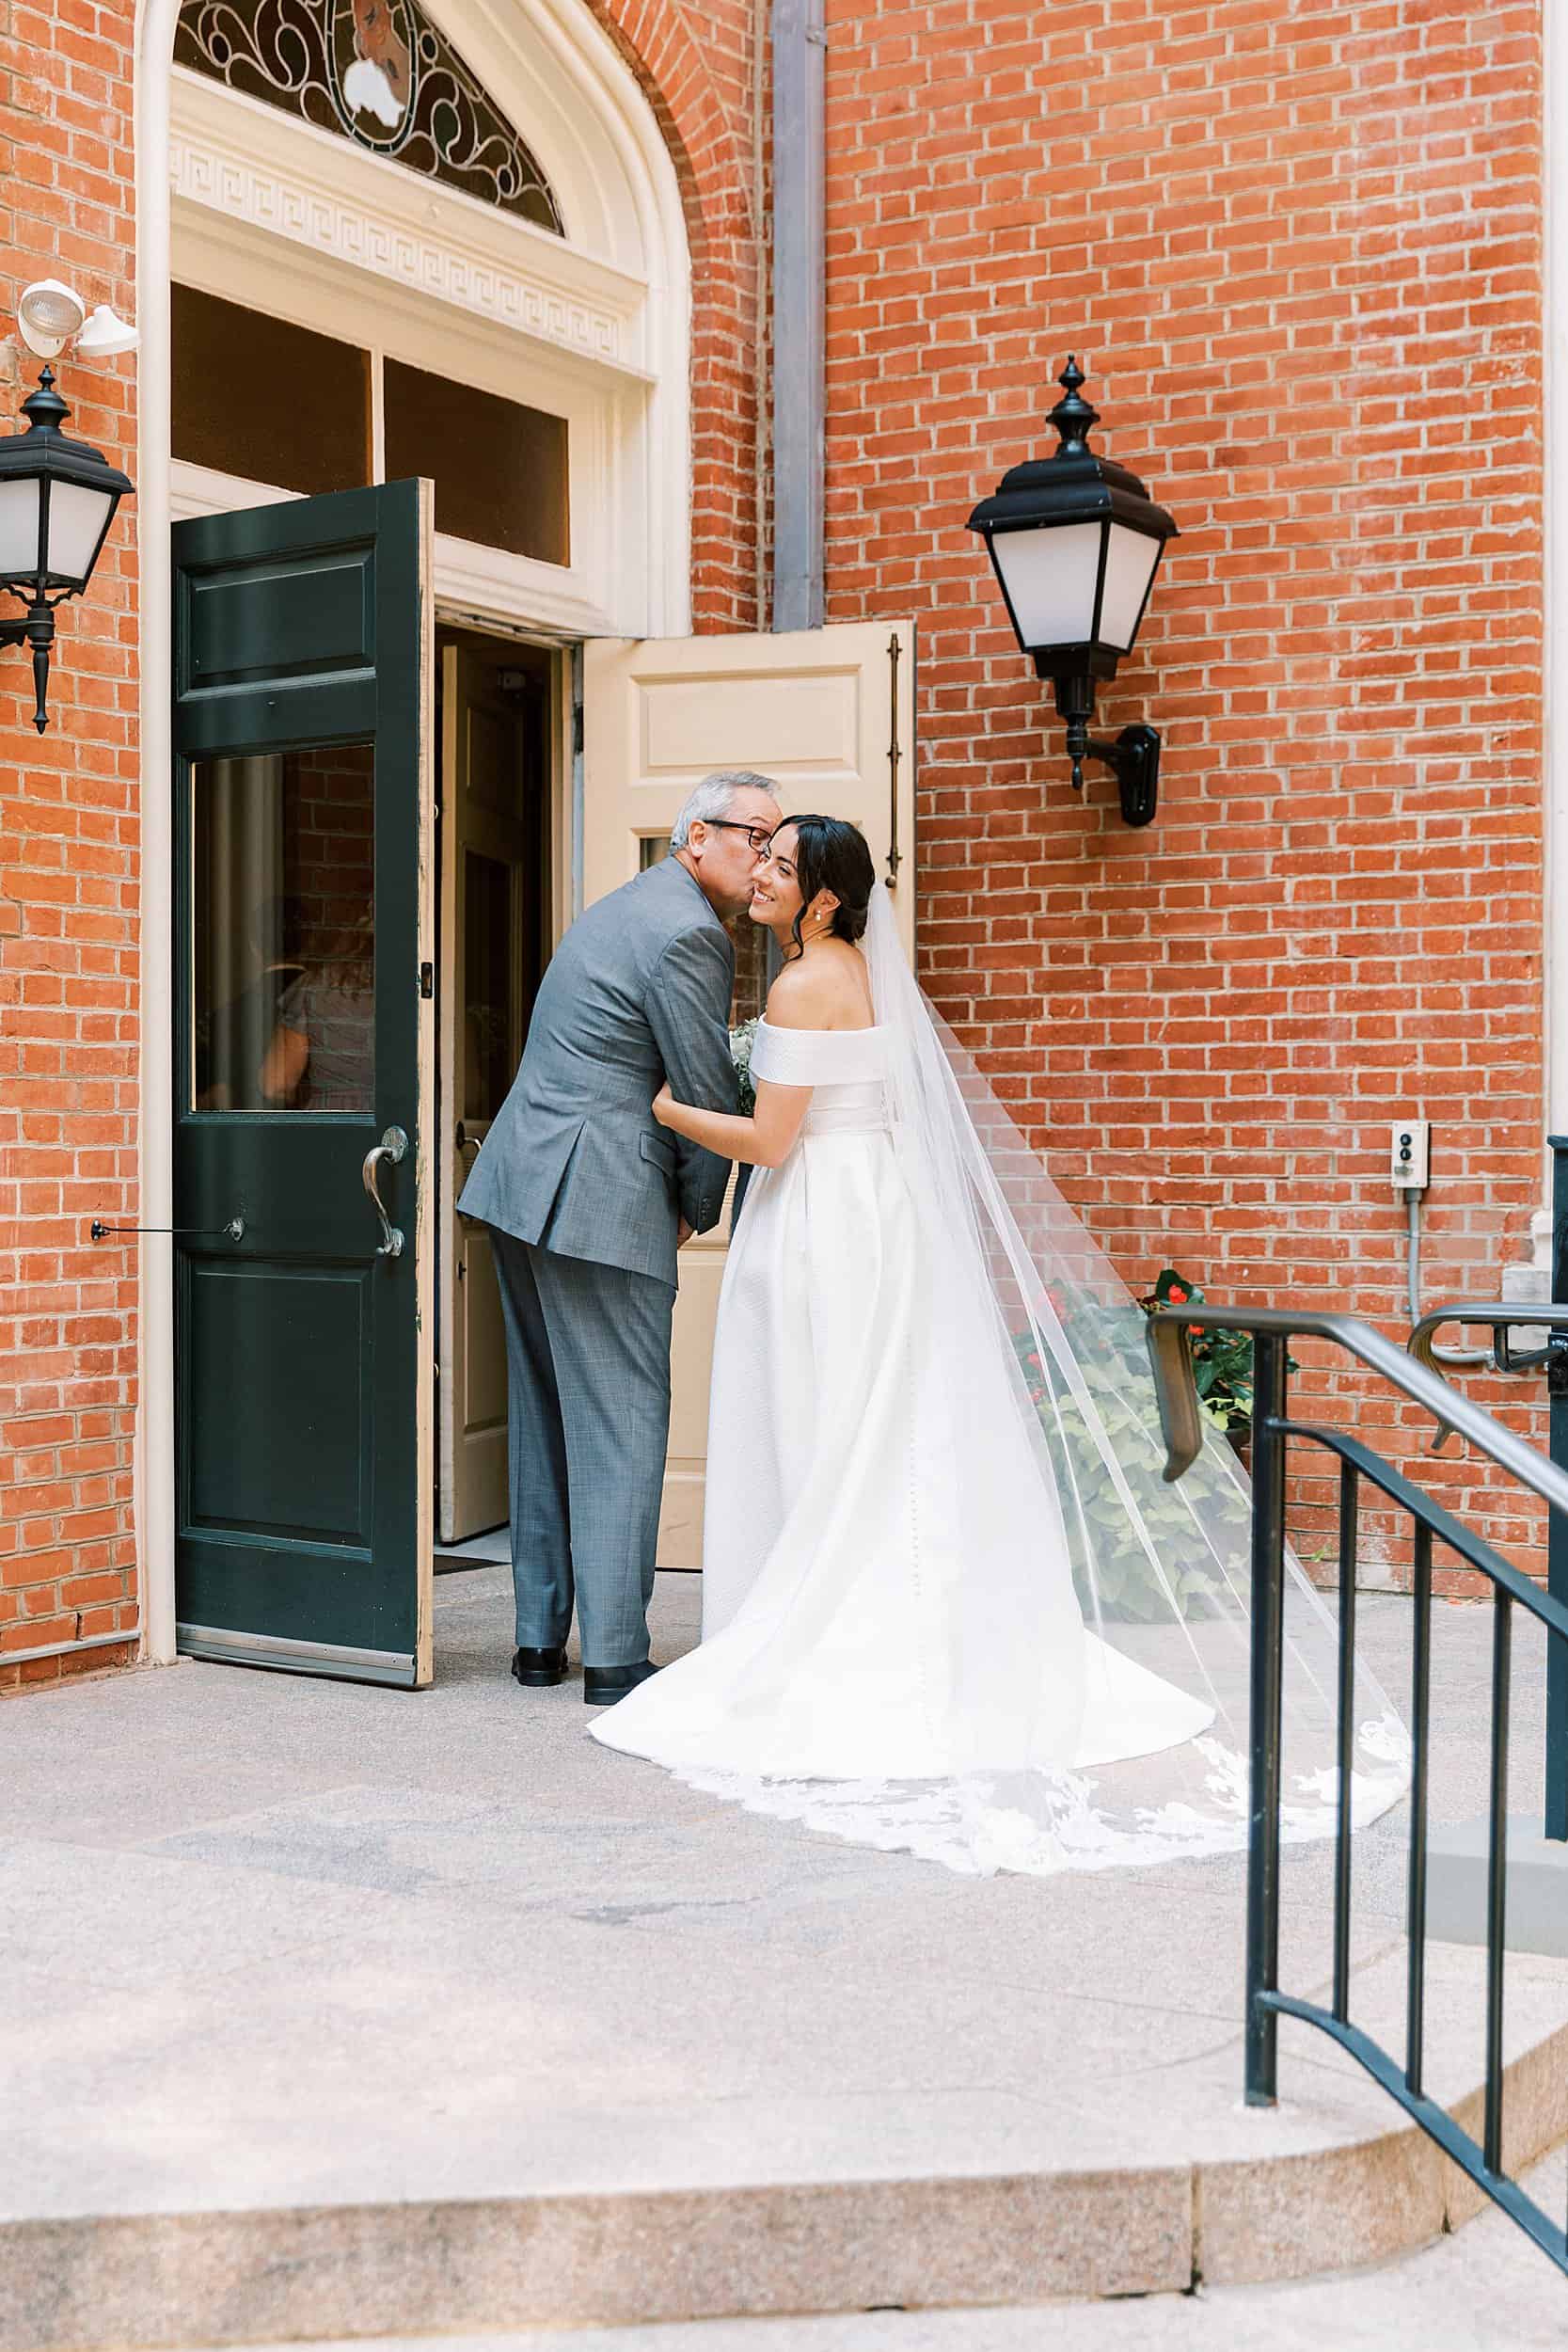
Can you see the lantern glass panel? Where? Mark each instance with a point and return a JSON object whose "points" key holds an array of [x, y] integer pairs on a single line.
{"points": [[1130, 561], [18, 528], [77, 520], [1050, 574]]}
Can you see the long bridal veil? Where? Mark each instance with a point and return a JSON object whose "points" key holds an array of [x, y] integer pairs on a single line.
{"points": [[1133, 1746]]}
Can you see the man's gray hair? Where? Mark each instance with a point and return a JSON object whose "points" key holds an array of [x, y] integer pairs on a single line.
{"points": [[715, 797]]}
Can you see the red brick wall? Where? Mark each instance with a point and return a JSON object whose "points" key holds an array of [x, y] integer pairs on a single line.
{"points": [[1300, 250], [69, 832], [697, 63]]}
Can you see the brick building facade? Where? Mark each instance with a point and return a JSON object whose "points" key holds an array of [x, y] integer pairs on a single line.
{"points": [[1301, 255]]}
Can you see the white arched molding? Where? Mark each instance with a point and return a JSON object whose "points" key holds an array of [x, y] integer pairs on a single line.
{"points": [[597, 324]]}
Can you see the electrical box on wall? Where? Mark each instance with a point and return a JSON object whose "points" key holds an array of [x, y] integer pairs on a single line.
{"points": [[1410, 1155]]}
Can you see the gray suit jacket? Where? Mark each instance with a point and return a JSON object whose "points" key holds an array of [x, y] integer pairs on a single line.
{"points": [[638, 992]]}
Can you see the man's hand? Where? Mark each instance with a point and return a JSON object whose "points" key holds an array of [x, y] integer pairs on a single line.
{"points": [[683, 1233]]}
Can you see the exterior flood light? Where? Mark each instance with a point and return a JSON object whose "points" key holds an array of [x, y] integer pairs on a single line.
{"points": [[47, 316], [57, 500], [1075, 542], [51, 314]]}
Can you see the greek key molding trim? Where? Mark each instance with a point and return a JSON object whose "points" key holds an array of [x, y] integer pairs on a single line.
{"points": [[330, 222]]}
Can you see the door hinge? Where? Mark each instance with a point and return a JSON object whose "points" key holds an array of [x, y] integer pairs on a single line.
{"points": [[577, 730], [427, 981]]}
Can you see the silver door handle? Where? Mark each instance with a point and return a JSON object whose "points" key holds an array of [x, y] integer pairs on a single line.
{"points": [[393, 1144]]}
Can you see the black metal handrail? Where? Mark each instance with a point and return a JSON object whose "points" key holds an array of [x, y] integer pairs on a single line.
{"points": [[1500, 1317], [1181, 1419], [1503, 1316]]}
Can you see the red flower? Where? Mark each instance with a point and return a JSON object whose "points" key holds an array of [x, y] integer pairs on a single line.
{"points": [[1177, 1295]]}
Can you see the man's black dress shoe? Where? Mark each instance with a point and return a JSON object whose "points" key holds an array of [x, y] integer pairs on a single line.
{"points": [[603, 1685], [539, 1669]]}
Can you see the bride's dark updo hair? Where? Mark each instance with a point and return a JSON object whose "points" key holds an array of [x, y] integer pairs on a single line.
{"points": [[831, 854]]}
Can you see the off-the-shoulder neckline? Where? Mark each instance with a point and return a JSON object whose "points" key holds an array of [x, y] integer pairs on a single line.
{"points": [[762, 1023]]}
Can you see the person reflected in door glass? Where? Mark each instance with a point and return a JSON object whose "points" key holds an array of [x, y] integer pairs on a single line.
{"points": [[253, 1054]]}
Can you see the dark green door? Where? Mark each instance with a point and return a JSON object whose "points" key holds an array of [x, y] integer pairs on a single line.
{"points": [[302, 660]]}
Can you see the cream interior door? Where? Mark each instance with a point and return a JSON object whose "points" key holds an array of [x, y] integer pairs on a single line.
{"points": [[489, 891], [829, 714]]}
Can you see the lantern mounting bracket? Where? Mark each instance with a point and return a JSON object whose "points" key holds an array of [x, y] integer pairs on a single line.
{"points": [[37, 631], [1134, 759]]}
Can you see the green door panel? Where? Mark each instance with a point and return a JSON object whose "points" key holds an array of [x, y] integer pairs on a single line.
{"points": [[304, 617], [301, 724], [300, 1336]]}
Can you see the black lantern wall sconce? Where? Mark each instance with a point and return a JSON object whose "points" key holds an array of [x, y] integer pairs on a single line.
{"points": [[1076, 542], [57, 500]]}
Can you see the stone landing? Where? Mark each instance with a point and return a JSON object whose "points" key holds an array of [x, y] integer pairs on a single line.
{"points": [[345, 2013]]}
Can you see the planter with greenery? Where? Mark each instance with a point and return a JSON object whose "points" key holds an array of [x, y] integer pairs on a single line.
{"points": [[1221, 1360]]}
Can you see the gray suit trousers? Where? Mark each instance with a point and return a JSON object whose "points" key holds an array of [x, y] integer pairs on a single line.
{"points": [[588, 1374]]}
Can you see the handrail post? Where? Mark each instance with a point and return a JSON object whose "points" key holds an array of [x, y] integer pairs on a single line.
{"points": [[1556, 1824], [1268, 1627]]}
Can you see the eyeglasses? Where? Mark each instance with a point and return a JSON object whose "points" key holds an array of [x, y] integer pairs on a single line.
{"points": [[758, 835]]}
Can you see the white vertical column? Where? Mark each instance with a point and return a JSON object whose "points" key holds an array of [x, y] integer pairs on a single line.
{"points": [[154, 1472]]}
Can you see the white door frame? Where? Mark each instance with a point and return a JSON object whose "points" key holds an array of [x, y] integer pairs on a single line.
{"points": [[577, 104]]}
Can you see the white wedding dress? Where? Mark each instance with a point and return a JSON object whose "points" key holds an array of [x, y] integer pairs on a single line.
{"points": [[893, 1645]]}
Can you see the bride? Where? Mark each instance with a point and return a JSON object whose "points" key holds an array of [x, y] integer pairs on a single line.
{"points": [[948, 1603]]}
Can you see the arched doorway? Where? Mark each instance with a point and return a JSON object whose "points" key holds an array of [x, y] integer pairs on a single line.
{"points": [[280, 230], [576, 319]]}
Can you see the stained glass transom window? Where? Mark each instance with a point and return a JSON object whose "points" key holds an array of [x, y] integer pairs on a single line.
{"points": [[381, 73]]}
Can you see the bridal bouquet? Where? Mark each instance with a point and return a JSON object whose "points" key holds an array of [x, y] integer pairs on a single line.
{"points": [[741, 1042]]}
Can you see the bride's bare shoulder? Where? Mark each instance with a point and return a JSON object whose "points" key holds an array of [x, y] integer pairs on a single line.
{"points": [[816, 992]]}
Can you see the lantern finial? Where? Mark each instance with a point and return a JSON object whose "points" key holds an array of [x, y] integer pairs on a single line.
{"points": [[1072, 416], [44, 407]]}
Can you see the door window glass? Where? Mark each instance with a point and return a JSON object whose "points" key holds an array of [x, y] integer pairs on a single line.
{"points": [[269, 401], [283, 946], [488, 1058]]}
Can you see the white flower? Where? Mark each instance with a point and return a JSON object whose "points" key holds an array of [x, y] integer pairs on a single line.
{"points": [[741, 1042]]}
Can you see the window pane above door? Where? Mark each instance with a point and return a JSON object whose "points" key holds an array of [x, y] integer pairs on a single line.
{"points": [[283, 945], [500, 468], [271, 402]]}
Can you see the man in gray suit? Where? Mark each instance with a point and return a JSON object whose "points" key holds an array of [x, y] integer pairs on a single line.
{"points": [[588, 1200]]}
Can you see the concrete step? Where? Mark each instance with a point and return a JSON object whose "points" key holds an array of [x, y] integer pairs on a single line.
{"points": [[1483, 2290], [1332, 2178]]}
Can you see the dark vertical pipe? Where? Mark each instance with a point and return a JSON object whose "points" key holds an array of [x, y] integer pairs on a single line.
{"points": [[1268, 1595], [1420, 1736], [799, 44], [1496, 1876], [1350, 1500]]}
